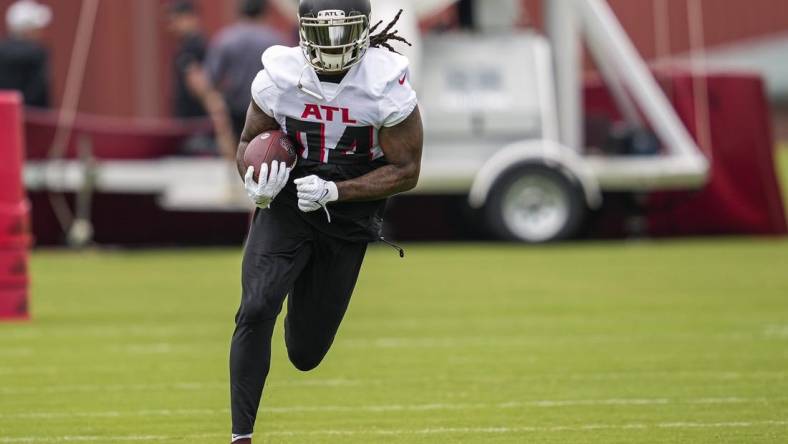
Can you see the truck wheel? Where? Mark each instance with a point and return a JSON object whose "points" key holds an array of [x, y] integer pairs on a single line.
{"points": [[535, 204]]}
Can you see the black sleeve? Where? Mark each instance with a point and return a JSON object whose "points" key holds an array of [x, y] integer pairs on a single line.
{"points": [[36, 91], [192, 51], [198, 48]]}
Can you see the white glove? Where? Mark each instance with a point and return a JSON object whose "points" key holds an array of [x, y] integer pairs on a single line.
{"points": [[263, 193], [315, 193]]}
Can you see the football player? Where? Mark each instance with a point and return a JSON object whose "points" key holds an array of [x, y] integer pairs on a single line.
{"points": [[344, 96]]}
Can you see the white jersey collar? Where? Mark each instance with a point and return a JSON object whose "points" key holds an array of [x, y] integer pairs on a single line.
{"points": [[311, 80]]}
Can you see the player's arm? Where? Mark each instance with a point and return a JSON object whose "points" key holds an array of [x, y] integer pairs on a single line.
{"points": [[402, 146], [201, 87], [257, 122]]}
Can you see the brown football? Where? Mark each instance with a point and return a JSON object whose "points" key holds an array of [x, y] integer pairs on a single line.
{"points": [[268, 147]]}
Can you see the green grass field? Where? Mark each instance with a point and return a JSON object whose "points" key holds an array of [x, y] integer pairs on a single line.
{"points": [[782, 167], [588, 343]]}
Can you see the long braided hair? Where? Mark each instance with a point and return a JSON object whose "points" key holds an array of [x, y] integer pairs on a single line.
{"points": [[383, 37]]}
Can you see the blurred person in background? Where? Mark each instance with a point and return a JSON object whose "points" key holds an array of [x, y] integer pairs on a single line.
{"points": [[233, 59], [184, 24], [194, 95], [465, 13], [24, 62]]}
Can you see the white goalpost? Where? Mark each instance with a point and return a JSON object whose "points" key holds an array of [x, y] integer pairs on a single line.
{"points": [[635, 91]]}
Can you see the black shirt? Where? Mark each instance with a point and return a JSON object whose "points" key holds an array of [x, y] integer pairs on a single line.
{"points": [[24, 67], [191, 50]]}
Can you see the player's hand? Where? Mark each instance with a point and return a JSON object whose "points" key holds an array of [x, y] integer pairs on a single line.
{"points": [[314, 193], [263, 193]]}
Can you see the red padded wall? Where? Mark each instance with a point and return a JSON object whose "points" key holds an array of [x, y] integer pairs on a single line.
{"points": [[14, 213], [743, 195], [11, 190]]}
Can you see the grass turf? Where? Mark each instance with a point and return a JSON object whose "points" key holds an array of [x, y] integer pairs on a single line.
{"points": [[782, 169], [592, 343]]}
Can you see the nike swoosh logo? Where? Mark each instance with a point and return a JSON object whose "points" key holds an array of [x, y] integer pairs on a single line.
{"points": [[402, 81]]}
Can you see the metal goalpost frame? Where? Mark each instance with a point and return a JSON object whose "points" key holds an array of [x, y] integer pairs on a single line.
{"points": [[635, 91], [563, 31], [56, 171]]}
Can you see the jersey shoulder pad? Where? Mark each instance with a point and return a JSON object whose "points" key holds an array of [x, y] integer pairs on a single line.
{"points": [[284, 66], [386, 76], [382, 70], [279, 74]]}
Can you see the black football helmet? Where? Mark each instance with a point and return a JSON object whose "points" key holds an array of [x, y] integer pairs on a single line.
{"points": [[334, 33]]}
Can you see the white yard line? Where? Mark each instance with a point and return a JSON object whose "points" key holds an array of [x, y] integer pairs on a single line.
{"points": [[397, 407], [405, 432], [81, 388], [518, 340], [75, 438], [339, 382], [185, 386], [132, 340]]}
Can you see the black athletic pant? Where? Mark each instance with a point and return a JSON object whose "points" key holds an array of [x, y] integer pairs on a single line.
{"points": [[285, 255]]}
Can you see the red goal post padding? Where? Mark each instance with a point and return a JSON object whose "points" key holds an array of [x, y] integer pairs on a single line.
{"points": [[14, 212], [11, 152]]}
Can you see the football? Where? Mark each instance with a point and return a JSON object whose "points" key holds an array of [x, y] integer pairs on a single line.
{"points": [[268, 147]]}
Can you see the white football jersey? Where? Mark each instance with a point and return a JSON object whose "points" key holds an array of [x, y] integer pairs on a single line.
{"points": [[342, 124]]}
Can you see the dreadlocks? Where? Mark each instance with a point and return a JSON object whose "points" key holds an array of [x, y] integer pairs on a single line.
{"points": [[382, 38]]}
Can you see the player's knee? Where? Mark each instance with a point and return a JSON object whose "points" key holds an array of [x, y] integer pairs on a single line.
{"points": [[305, 361], [258, 309]]}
